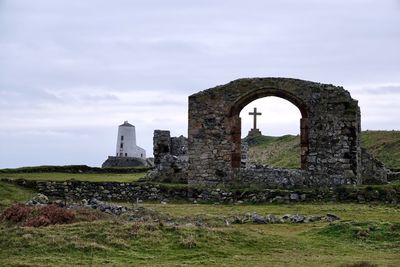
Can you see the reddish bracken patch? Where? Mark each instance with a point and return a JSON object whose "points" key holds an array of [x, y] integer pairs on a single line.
{"points": [[38, 221], [57, 215], [17, 213], [51, 214], [37, 216]]}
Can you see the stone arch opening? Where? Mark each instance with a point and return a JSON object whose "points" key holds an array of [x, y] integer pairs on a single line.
{"points": [[277, 134], [246, 99]]}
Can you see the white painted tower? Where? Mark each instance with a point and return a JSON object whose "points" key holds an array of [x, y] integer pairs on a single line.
{"points": [[126, 142]]}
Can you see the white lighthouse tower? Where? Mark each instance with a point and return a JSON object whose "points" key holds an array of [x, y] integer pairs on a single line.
{"points": [[126, 142]]}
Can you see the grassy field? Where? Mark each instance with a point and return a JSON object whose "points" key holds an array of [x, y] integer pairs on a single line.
{"points": [[365, 233], [368, 233], [384, 145], [10, 193], [284, 151], [59, 176], [113, 243], [345, 211]]}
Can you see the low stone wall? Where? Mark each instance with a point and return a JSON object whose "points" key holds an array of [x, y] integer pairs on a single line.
{"points": [[157, 192], [393, 176], [273, 177]]}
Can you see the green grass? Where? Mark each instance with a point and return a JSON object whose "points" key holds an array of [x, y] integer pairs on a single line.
{"points": [[345, 211], [10, 193], [385, 234], [384, 145], [284, 151], [59, 176], [281, 151], [366, 233]]}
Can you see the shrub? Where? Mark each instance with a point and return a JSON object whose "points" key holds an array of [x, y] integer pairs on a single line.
{"points": [[37, 216], [16, 213], [38, 221], [56, 215]]}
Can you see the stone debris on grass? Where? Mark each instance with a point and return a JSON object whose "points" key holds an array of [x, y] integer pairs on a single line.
{"points": [[141, 214], [287, 218], [104, 206]]}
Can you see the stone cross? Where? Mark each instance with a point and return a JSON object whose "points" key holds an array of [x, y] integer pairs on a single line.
{"points": [[255, 113]]}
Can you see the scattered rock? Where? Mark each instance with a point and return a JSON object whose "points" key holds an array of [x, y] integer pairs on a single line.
{"points": [[258, 219], [277, 199], [297, 218], [39, 199], [331, 217], [287, 218], [272, 219], [294, 196]]}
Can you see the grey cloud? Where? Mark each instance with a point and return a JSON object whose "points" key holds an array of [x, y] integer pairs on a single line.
{"points": [[17, 97], [70, 63], [100, 98], [384, 90]]}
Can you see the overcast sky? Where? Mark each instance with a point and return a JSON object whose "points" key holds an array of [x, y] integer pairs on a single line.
{"points": [[72, 71]]}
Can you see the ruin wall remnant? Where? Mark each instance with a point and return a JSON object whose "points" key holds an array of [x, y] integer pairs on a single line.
{"points": [[329, 131]]}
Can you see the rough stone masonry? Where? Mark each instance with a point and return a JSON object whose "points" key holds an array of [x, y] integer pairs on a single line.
{"points": [[170, 158], [329, 131]]}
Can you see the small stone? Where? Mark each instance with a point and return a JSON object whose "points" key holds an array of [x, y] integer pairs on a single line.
{"points": [[331, 217], [294, 196], [258, 219], [272, 219], [312, 219], [39, 199], [297, 218], [277, 199]]}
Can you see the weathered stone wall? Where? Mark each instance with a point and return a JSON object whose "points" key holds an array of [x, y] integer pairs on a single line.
{"points": [[170, 158], [244, 149], [373, 170], [161, 145], [330, 130], [262, 177], [179, 146], [154, 192], [393, 176]]}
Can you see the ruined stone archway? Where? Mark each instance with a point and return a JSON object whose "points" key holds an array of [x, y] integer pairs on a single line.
{"points": [[330, 128], [265, 92]]}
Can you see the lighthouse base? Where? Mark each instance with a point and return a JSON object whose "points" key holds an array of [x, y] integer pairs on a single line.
{"points": [[114, 162]]}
